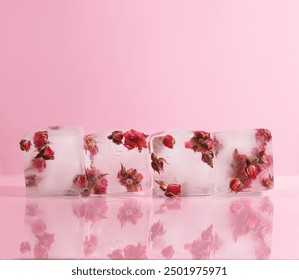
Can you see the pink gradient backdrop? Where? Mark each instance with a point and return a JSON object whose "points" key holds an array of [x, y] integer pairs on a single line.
{"points": [[150, 65]]}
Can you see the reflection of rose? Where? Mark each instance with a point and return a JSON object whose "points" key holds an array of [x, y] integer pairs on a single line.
{"points": [[130, 212], [40, 139], [25, 145]]}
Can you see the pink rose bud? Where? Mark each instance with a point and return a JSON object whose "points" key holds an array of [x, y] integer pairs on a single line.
{"points": [[168, 141]]}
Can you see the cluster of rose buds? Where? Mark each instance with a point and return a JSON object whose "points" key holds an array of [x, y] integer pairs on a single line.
{"points": [[44, 152], [247, 168], [130, 139], [94, 181]]}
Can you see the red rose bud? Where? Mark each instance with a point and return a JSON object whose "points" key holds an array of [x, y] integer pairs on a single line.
{"points": [[39, 164], [80, 181], [46, 153], [135, 139], [173, 190], [236, 185], [40, 139], [168, 141], [25, 145], [116, 137]]}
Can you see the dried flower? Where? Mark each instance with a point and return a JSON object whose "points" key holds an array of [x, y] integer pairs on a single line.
{"points": [[40, 139], [116, 137], [131, 179], [25, 145], [173, 190], [202, 142], [46, 153], [80, 181], [268, 182], [39, 164], [157, 163], [90, 145], [168, 141], [263, 135], [236, 185], [135, 139]]}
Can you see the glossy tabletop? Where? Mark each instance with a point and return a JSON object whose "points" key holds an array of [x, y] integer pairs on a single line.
{"points": [[261, 226]]}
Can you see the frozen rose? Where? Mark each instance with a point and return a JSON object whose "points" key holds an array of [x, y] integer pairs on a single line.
{"points": [[40, 139], [157, 163], [80, 181], [90, 145], [168, 141], [116, 137], [46, 153], [135, 139], [39, 164], [173, 190], [25, 145], [236, 185]]}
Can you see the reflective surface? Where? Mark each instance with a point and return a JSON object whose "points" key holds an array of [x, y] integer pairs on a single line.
{"points": [[234, 227]]}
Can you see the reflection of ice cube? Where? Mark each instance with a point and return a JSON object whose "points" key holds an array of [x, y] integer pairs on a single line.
{"points": [[111, 156], [245, 226], [54, 176], [239, 164], [183, 165], [122, 230]]}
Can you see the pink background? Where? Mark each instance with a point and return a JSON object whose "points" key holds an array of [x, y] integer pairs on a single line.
{"points": [[150, 65]]}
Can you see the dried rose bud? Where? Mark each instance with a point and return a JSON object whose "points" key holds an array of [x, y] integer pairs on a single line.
{"points": [[40, 139], [207, 157], [267, 182], [263, 134], [25, 145], [236, 185], [116, 137], [39, 164], [135, 139], [46, 153], [80, 181], [90, 145], [162, 185], [168, 141], [157, 163], [251, 171], [173, 190]]}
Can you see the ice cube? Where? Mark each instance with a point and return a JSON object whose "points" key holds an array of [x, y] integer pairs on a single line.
{"points": [[53, 157], [117, 162], [243, 161], [182, 163]]}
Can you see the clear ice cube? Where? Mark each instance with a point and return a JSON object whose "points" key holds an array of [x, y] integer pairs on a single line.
{"points": [[53, 157]]}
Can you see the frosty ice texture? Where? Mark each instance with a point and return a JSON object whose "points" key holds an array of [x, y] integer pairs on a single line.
{"points": [[182, 163], [52, 159], [243, 161], [117, 162]]}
